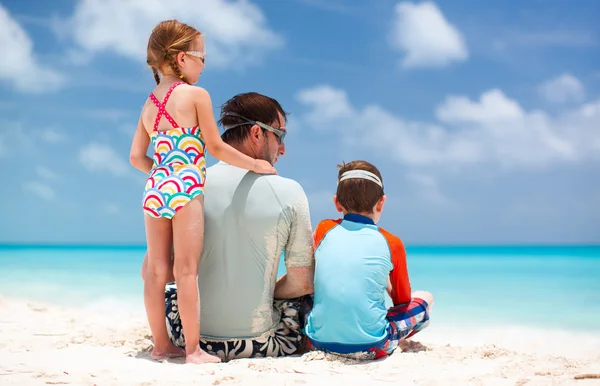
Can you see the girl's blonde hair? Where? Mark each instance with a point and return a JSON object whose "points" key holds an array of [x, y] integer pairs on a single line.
{"points": [[167, 39]]}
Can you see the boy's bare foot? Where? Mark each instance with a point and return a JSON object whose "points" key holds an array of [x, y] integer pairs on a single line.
{"points": [[200, 356], [170, 351]]}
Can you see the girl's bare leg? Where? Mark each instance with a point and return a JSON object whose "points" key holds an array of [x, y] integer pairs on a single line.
{"points": [[158, 265], [171, 277], [188, 234]]}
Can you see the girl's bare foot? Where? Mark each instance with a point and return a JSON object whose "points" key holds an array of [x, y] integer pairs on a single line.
{"points": [[200, 356], [170, 351]]}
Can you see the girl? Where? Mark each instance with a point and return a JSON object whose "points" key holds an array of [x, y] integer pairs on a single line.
{"points": [[173, 196]]}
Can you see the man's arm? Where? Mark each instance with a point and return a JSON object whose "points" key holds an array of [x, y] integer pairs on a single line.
{"points": [[297, 282], [299, 261]]}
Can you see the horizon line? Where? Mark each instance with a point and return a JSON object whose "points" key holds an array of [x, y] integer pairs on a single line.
{"points": [[416, 245]]}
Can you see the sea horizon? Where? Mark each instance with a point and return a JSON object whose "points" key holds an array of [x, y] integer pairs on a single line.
{"points": [[8, 245]]}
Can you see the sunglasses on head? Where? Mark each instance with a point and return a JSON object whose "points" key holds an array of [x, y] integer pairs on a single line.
{"points": [[280, 134]]}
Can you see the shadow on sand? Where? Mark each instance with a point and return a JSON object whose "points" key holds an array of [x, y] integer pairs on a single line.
{"points": [[145, 350], [404, 347], [412, 346]]}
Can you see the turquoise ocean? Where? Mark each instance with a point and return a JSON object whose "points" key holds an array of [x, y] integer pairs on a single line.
{"points": [[543, 287]]}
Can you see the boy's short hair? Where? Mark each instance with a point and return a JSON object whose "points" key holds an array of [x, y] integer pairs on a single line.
{"points": [[359, 195]]}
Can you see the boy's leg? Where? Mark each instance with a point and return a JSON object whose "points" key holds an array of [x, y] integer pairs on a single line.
{"points": [[408, 319], [427, 296]]}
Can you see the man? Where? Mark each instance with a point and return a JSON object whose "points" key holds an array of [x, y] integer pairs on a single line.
{"points": [[250, 220]]}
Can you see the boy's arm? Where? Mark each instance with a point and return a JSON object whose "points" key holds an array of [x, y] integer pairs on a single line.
{"points": [[400, 290]]}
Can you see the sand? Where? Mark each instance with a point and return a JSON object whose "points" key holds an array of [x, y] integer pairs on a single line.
{"points": [[44, 344]]}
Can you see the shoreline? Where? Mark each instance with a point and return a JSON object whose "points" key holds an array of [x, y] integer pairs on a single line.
{"points": [[453, 326], [42, 343]]}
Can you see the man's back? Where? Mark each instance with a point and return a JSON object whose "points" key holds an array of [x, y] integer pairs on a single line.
{"points": [[250, 220]]}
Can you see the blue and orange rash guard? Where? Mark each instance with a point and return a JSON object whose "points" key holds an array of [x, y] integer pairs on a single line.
{"points": [[354, 259]]}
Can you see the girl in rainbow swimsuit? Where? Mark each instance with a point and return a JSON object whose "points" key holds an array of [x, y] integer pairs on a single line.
{"points": [[173, 196]]}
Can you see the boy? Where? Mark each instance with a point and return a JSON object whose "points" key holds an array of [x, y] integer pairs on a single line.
{"points": [[356, 262]]}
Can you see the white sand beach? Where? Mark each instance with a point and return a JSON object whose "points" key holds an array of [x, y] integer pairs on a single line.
{"points": [[44, 344]]}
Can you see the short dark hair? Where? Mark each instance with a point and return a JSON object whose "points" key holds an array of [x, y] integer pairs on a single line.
{"points": [[358, 195], [251, 105]]}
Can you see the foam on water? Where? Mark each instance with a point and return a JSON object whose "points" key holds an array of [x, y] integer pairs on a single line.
{"points": [[117, 306]]}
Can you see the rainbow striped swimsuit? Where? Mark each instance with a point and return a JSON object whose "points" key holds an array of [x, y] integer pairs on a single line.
{"points": [[179, 169]]}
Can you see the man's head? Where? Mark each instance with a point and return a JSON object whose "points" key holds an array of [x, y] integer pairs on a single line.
{"points": [[360, 189], [254, 124]]}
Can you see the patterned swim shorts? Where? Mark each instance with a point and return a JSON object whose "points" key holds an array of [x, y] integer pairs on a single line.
{"points": [[405, 320], [284, 341]]}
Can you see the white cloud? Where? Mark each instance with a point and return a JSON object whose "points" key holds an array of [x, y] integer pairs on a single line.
{"points": [[493, 107], [236, 32], [427, 186], [40, 189], [53, 136], [78, 57], [493, 130], [47, 173], [98, 157], [19, 66], [328, 103], [562, 88], [425, 36]]}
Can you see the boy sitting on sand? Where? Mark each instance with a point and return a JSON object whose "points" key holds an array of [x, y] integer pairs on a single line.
{"points": [[356, 262]]}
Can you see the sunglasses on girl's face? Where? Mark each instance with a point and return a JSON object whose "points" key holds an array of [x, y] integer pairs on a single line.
{"points": [[198, 54], [280, 134]]}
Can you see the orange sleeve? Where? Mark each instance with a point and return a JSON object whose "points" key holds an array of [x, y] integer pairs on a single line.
{"points": [[322, 228], [401, 292]]}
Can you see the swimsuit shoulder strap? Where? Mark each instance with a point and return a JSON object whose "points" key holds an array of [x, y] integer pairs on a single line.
{"points": [[161, 106]]}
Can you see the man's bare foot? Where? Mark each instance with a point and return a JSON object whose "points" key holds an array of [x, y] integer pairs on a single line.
{"points": [[170, 351], [200, 356]]}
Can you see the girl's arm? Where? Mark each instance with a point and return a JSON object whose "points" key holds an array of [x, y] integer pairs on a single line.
{"points": [[215, 144], [139, 147]]}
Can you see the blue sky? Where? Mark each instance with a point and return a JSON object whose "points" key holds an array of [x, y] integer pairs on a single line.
{"points": [[483, 117]]}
